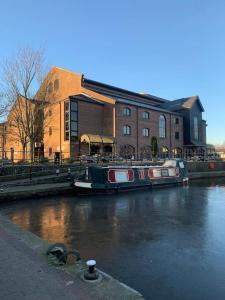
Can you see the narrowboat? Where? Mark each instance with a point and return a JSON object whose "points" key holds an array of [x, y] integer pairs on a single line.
{"points": [[109, 179]]}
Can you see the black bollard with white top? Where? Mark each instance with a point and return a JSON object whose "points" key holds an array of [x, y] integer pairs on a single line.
{"points": [[91, 273]]}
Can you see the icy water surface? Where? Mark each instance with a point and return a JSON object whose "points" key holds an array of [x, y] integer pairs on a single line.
{"points": [[167, 243]]}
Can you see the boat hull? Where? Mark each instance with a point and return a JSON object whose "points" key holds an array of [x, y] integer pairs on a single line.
{"points": [[113, 179]]}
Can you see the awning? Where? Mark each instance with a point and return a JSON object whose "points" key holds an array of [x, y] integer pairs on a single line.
{"points": [[96, 139]]}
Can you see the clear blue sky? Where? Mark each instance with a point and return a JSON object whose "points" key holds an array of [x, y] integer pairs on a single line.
{"points": [[168, 48]]}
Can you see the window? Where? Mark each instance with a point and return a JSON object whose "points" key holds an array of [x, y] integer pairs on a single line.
{"points": [[74, 126], [49, 113], [145, 115], [50, 151], [73, 116], [50, 88], [71, 121], [56, 84], [67, 106], [126, 111], [145, 131], [66, 121], [126, 130], [177, 121], [50, 131], [162, 127], [196, 128], [73, 106], [67, 128], [177, 135]]}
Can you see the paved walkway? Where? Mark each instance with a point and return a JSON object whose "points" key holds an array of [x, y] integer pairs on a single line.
{"points": [[25, 274]]}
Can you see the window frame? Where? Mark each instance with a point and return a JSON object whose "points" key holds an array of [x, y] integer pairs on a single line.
{"points": [[177, 121], [145, 132], [126, 112], [144, 114], [126, 129], [56, 84], [196, 128], [177, 135], [162, 127]]}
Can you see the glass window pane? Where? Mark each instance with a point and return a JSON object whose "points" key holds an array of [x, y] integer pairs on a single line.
{"points": [[73, 133], [74, 138], [67, 136], [67, 116], [74, 126], [67, 126], [73, 116], [73, 106]]}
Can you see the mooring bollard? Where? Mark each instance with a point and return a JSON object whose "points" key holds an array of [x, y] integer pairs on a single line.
{"points": [[57, 172], [91, 273]]}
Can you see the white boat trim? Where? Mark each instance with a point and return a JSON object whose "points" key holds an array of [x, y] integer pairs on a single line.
{"points": [[83, 184]]}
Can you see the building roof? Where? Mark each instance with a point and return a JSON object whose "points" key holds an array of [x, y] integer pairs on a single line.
{"points": [[183, 103], [110, 90]]}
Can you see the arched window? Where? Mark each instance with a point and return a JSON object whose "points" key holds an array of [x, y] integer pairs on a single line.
{"points": [[145, 115], [50, 131], [164, 152], [56, 84], [145, 131], [50, 87], [126, 111], [162, 126], [126, 130], [196, 128]]}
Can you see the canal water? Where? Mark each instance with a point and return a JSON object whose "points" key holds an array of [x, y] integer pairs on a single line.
{"points": [[167, 243]]}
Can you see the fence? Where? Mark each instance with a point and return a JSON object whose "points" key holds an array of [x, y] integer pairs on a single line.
{"points": [[39, 157]]}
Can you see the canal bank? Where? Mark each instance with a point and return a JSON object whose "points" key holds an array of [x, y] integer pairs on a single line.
{"points": [[26, 273], [54, 185], [166, 243]]}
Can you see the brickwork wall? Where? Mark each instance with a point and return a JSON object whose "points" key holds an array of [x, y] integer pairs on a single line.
{"points": [[137, 123]]}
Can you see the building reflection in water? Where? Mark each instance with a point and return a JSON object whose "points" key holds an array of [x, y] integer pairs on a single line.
{"points": [[163, 232]]}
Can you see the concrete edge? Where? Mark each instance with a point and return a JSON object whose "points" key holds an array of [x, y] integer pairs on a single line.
{"points": [[40, 246]]}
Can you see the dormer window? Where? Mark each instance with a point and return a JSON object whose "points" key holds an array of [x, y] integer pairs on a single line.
{"points": [[126, 111]]}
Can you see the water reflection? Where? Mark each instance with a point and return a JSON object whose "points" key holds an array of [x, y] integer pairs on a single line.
{"points": [[165, 243]]}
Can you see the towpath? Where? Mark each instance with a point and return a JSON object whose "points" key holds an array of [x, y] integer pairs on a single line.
{"points": [[25, 274]]}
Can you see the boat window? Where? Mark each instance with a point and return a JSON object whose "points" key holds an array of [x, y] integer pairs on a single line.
{"points": [[181, 164], [165, 172], [170, 163]]}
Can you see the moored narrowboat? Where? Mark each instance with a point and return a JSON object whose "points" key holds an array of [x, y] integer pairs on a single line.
{"points": [[106, 179]]}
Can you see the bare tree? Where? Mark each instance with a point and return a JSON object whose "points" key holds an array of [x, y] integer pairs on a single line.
{"points": [[21, 78]]}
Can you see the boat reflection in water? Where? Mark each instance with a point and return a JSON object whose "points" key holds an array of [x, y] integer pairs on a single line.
{"points": [[166, 243]]}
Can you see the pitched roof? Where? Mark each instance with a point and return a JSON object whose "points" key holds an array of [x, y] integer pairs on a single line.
{"points": [[183, 103], [110, 90]]}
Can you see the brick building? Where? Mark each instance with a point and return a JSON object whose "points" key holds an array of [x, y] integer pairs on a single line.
{"points": [[87, 117], [2, 139]]}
